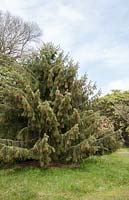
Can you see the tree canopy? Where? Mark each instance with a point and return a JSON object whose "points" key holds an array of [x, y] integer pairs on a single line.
{"points": [[116, 107], [49, 112]]}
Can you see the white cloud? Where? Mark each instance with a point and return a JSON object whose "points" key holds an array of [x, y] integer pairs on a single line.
{"points": [[117, 56], [116, 85], [96, 33], [13, 6], [70, 14]]}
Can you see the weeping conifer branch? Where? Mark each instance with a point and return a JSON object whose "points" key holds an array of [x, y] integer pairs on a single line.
{"points": [[52, 111]]}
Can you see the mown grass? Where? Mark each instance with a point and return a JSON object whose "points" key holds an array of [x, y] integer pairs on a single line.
{"points": [[98, 178]]}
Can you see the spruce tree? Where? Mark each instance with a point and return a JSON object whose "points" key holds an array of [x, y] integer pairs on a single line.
{"points": [[52, 109]]}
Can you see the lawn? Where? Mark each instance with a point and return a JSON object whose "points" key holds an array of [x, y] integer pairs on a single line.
{"points": [[98, 178]]}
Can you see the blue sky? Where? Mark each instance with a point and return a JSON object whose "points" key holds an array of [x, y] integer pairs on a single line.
{"points": [[95, 32]]}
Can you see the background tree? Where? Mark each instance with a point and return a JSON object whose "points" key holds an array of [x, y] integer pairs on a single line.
{"points": [[16, 35], [116, 107], [52, 111]]}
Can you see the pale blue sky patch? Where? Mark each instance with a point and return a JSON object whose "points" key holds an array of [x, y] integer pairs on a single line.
{"points": [[95, 32]]}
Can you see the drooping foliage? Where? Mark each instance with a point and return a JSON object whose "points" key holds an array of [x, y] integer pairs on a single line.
{"points": [[46, 111]]}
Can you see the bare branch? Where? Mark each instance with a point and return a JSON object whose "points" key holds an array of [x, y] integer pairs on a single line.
{"points": [[16, 36]]}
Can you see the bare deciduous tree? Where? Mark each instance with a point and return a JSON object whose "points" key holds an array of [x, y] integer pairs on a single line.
{"points": [[16, 36]]}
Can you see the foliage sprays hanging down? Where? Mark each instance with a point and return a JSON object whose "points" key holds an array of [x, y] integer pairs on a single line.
{"points": [[48, 111]]}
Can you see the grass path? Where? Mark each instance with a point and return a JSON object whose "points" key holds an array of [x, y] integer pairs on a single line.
{"points": [[123, 151], [98, 178]]}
